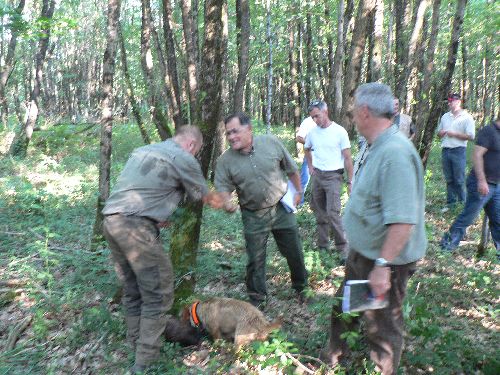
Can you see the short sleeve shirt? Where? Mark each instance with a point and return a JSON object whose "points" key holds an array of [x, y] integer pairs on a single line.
{"points": [[257, 177], [326, 145], [463, 123], [305, 127], [489, 138], [389, 189], [154, 180]]}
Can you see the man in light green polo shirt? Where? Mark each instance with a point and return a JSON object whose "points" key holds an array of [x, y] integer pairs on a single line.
{"points": [[384, 223], [255, 167]]}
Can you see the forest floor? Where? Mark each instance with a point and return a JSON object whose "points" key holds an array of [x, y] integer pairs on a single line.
{"points": [[58, 316]]}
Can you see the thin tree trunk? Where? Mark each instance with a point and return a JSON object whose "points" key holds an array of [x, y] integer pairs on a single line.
{"points": [[376, 60], [309, 60], [294, 85], [171, 78], [20, 144], [338, 65], [191, 41], [8, 65], [353, 73], [269, 70], [465, 81], [444, 84], [108, 72], [400, 10], [485, 98], [130, 89], [185, 238], [424, 95], [243, 42], [157, 114], [388, 52]]}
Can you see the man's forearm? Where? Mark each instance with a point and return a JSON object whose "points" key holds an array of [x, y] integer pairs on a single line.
{"points": [[308, 155], [478, 163], [396, 239], [295, 179]]}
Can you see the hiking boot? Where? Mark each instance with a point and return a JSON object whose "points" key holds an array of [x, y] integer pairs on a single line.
{"points": [[149, 342]]}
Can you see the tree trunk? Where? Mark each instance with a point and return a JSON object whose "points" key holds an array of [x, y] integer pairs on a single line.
{"points": [[190, 27], [157, 114], [465, 81], [243, 42], [294, 85], [423, 98], [108, 72], [130, 89], [185, 238], [8, 64], [388, 52], [309, 60], [171, 78], [353, 74], [400, 10], [269, 70], [20, 144], [376, 58], [338, 64], [443, 84]]}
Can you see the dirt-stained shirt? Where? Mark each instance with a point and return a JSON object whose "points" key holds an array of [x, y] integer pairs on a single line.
{"points": [[257, 177], [154, 180], [389, 189]]}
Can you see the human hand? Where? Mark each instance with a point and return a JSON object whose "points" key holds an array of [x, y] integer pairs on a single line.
{"points": [[380, 280], [229, 206], [442, 133], [164, 224], [483, 188], [297, 198]]}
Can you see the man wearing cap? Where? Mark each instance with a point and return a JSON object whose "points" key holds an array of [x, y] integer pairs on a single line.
{"points": [[154, 180], [483, 188], [384, 221], [456, 127], [256, 167], [328, 153]]}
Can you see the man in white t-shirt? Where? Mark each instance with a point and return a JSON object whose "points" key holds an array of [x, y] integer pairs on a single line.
{"points": [[304, 129], [456, 127], [328, 154]]}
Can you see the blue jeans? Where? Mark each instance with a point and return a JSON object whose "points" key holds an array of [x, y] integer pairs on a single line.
{"points": [[304, 178], [453, 160], [473, 205]]}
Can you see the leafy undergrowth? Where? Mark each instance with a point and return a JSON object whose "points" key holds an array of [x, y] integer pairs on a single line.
{"points": [[59, 314]]}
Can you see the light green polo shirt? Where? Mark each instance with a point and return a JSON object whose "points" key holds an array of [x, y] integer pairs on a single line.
{"points": [[257, 177], [388, 189], [154, 181]]}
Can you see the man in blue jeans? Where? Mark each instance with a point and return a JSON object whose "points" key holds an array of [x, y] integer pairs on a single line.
{"points": [[483, 188], [455, 128]]}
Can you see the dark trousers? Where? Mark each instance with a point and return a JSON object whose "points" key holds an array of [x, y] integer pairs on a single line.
{"points": [[474, 203], [453, 161], [325, 194], [283, 225], [384, 327]]}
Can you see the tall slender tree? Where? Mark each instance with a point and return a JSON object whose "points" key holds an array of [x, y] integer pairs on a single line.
{"points": [[243, 42]]}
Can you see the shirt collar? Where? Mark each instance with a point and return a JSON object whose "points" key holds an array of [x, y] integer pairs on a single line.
{"points": [[383, 137]]}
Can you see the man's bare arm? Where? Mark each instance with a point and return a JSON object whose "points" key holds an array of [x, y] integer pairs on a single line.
{"points": [[478, 163]]}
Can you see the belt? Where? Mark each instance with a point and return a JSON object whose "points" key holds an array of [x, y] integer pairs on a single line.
{"points": [[339, 171], [154, 221]]}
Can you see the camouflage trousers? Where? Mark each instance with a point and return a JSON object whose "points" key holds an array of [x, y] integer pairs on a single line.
{"points": [[146, 273]]}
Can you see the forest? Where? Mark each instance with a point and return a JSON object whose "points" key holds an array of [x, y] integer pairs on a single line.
{"points": [[84, 83]]}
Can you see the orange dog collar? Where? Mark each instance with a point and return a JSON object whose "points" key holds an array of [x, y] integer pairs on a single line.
{"points": [[195, 322]]}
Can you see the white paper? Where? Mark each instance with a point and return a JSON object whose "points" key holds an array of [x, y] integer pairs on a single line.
{"points": [[288, 198]]}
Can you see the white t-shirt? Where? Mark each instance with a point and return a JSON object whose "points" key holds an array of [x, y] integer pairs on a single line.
{"points": [[305, 127], [463, 123], [326, 145]]}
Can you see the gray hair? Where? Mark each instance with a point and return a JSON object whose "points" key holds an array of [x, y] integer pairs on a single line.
{"points": [[320, 104], [377, 97], [190, 131]]}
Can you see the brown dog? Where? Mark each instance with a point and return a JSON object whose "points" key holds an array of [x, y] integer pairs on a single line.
{"points": [[230, 319]]}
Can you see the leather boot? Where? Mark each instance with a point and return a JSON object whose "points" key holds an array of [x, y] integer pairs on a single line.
{"points": [[150, 341], [133, 327]]}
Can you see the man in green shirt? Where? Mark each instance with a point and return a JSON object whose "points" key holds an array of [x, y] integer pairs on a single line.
{"points": [[148, 190], [384, 223], [255, 167]]}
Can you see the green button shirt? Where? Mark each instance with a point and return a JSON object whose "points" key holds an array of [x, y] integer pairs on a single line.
{"points": [[154, 181], [258, 176], [388, 189]]}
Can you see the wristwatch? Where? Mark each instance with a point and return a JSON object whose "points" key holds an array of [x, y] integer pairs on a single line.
{"points": [[381, 262]]}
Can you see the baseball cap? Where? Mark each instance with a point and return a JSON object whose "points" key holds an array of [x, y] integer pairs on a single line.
{"points": [[454, 96]]}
